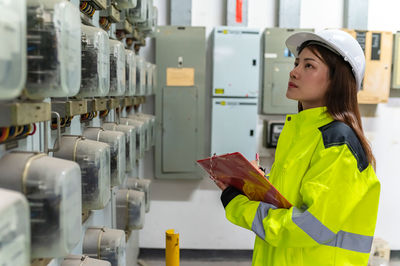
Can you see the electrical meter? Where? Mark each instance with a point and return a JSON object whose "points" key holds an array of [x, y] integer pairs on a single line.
{"points": [[15, 236], [140, 76], [141, 185], [137, 14], [105, 244], [140, 134], [117, 68], [149, 78], [53, 189], [125, 4], [82, 260], [95, 63], [117, 143], [130, 73], [130, 138], [12, 48], [54, 49], [130, 206], [94, 160], [154, 78], [149, 124], [147, 24]]}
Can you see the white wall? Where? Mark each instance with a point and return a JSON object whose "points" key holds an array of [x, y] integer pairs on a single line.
{"points": [[193, 208]]}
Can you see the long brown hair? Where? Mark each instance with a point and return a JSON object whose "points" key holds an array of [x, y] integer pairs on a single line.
{"points": [[341, 97]]}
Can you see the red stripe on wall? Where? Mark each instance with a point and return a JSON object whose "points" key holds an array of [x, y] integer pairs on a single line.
{"points": [[239, 11]]}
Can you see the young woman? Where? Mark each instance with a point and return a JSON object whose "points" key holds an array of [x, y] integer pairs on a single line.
{"points": [[323, 164]]}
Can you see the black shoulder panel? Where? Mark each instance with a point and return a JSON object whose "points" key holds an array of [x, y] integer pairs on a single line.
{"points": [[338, 133]]}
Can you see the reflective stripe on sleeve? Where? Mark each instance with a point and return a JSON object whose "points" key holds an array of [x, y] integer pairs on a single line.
{"points": [[321, 234], [262, 212]]}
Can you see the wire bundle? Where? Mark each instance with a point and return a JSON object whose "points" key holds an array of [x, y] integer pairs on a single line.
{"points": [[15, 132], [105, 23], [103, 113], [87, 9]]}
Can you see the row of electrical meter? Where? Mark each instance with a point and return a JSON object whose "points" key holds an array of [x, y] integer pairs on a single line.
{"points": [[43, 197], [47, 52]]}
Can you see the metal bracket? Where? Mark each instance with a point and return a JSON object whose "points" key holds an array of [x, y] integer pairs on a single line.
{"points": [[69, 108], [18, 114], [46, 135]]}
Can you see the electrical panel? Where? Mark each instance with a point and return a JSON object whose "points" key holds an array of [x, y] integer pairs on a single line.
{"points": [[180, 101], [139, 13], [82, 260], [234, 122], [130, 73], [130, 147], [52, 187], [236, 62], [149, 78], [378, 49], [278, 62], [54, 49], [125, 4], [130, 205], [117, 143], [396, 61], [95, 63], [141, 185], [12, 48], [117, 68], [15, 237], [140, 76], [140, 134], [94, 160], [105, 244]]}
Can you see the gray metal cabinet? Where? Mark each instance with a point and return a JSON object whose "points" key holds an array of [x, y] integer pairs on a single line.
{"points": [[278, 62], [180, 101]]}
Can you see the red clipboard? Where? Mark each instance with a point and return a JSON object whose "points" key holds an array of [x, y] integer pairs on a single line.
{"points": [[235, 170]]}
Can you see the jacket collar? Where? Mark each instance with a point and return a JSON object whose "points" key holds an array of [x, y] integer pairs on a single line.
{"points": [[310, 118]]}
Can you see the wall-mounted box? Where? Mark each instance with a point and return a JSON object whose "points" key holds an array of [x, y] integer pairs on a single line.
{"points": [[396, 62], [15, 234], [53, 189], [54, 49], [278, 62], [180, 101], [12, 48], [95, 63], [116, 141], [378, 49], [236, 62], [94, 161]]}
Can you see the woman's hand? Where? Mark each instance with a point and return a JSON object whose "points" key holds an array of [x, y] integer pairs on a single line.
{"points": [[220, 184]]}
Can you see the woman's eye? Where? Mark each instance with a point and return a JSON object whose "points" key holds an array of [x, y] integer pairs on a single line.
{"points": [[308, 66], [296, 64]]}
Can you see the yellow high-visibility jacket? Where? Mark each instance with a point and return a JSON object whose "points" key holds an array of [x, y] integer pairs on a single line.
{"points": [[321, 168]]}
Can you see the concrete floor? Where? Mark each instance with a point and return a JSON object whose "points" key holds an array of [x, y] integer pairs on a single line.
{"points": [[217, 258], [215, 263]]}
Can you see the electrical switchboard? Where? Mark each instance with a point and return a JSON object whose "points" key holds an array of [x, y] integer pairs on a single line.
{"points": [[377, 46], [180, 101], [278, 62]]}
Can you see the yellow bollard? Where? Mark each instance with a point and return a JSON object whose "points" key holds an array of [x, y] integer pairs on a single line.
{"points": [[171, 248]]}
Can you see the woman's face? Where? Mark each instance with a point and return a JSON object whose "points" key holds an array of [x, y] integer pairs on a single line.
{"points": [[309, 80]]}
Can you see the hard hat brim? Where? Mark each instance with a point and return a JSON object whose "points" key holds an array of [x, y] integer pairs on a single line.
{"points": [[294, 42]]}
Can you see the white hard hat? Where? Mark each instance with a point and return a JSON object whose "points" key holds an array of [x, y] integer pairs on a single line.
{"points": [[337, 41]]}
